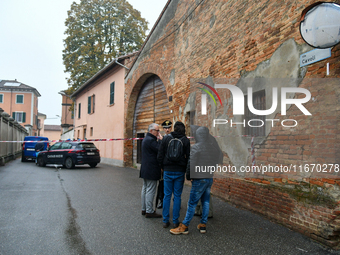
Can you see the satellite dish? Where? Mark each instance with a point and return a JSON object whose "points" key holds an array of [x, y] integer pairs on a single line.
{"points": [[320, 25]]}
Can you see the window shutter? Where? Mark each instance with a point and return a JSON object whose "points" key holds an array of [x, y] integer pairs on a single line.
{"points": [[89, 105], [112, 93], [79, 109], [13, 115], [93, 102], [19, 99], [23, 117]]}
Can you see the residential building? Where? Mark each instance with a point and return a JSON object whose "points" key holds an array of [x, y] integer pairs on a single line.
{"points": [[41, 123], [99, 109], [52, 132], [21, 102], [228, 42], [67, 116]]}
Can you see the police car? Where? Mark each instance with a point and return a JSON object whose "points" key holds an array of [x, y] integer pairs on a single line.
{"points": [[70, 154]]}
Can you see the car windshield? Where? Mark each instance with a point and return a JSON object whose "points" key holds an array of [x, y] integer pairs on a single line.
{"points": [[55, 146], [87, 145]]}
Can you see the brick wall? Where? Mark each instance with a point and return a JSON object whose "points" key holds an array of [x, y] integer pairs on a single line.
{"points": [[231, 39], [312, 215]]}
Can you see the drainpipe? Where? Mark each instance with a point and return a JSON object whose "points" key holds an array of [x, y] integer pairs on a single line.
{"points": [[121, 64]]}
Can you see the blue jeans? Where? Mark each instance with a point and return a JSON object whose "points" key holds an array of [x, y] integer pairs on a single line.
{"points": [[36, 156], [200, 189], [173, 183]]}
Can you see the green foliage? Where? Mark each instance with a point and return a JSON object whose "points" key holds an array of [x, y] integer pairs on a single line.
{"points": [[97, 32]]}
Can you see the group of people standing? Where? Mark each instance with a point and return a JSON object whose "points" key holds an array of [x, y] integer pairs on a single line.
{"points": [[168, 159]]}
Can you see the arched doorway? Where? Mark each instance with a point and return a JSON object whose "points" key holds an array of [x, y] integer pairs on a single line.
{"points": [[151, 107]]}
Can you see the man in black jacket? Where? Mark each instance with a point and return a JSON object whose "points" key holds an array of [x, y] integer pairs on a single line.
{"points": [[150, 170], [38, 148], [173, 172]]}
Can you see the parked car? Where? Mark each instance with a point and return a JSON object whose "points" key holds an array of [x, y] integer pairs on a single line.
{"points": [[28, 147], [70, 154]]}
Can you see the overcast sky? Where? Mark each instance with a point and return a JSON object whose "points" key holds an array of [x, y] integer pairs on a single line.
{"points": [[31, 44]]}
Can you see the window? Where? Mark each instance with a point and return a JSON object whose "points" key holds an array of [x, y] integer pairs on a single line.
{"points": [[20, 117], [1, 98], [79, 110], [87, 145], [189, 120], [90, 104], [55, 146], [66, 145], [19, 99], [91, 131], [257, 123], [112, 93]]}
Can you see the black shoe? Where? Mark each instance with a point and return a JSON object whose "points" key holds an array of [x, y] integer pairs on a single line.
{"points": [[143, 212], [153, 215], [176, 225], [165, 225], [160, 205]]}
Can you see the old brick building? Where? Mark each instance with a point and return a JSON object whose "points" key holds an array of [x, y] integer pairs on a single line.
{"points": [[222, 42]]}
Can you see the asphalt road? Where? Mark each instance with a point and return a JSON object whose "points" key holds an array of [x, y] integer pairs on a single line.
{"points": [[86, 210]]}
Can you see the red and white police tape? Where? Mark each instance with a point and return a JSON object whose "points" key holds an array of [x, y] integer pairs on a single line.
{"points": [[126, 139], [103, 140], [83, 140]]}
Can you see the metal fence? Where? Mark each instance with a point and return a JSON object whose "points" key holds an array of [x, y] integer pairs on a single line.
{"points": [[10, 130]]}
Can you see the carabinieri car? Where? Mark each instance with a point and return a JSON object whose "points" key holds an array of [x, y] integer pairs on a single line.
{"points": [[70, 154]]}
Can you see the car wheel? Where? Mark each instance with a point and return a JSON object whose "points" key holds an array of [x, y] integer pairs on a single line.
{"points": [[93, 164], [69, 163], [41, 162]]}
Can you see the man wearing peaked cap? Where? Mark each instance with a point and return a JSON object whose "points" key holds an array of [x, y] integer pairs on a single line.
{"points": [[160, 191], [167, 126]]}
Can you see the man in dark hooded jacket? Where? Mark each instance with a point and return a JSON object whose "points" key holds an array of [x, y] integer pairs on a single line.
{"points": [[198, 210], [204, 154]]}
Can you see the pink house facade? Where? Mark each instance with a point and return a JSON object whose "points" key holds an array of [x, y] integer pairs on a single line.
{"points": [[99, 110], [20, 101]]}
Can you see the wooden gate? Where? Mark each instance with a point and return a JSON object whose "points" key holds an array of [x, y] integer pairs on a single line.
{"points": [[151, 107]]}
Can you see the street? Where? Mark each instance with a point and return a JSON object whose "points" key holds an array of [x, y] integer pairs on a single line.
{"points": [[52, 210]]}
